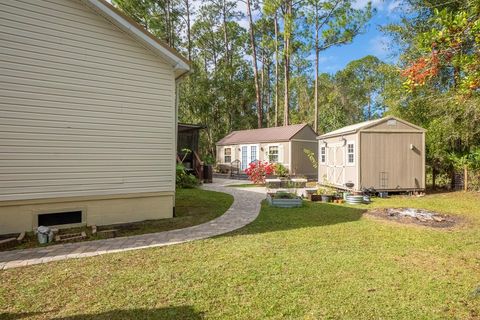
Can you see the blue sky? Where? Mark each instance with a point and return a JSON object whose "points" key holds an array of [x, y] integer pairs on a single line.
{"points": [[372, 42]]}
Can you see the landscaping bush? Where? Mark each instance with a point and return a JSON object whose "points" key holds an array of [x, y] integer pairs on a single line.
{"points": [[258, 170], [184, 179], [280, 170]]}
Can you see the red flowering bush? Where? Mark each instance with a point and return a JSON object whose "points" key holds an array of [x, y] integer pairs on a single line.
{"points": [[258, 170]]}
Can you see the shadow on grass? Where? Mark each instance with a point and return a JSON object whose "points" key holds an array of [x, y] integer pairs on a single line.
{"points": [[311, 214], [169, 313]]}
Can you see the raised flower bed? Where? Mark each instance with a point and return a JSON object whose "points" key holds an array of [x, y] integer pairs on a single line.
{"points": [[284, 200]]}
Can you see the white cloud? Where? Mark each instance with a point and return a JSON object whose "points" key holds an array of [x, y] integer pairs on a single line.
{"points": [[359, 4], [379, 46], [324, 59], [381, 5]]}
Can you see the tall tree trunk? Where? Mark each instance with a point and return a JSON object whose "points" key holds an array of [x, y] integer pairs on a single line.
{"points": [[276, 70], [288, 21], [167, 22], [369, 108], [317, 53], [189, 34], [263, 89], [255, 67], [269, 94], [434, 176], [225, 34]]}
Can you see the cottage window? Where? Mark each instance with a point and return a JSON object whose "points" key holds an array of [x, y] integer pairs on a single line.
{"points": [[323, 155], [253, 153], [273, 154], [227, 155], [350, 153]]}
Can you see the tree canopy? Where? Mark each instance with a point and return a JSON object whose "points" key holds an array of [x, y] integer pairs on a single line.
{"points": [[256, 65]]}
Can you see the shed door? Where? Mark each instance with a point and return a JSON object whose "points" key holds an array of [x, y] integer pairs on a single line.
{"points": [[336, 165], [330, 164], [339, 165]]}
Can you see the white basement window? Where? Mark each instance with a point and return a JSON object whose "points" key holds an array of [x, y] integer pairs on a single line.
{"points": [[350, 153]]}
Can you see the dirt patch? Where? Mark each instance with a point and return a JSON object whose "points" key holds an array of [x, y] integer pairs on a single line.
{"points": [[415, 216]]}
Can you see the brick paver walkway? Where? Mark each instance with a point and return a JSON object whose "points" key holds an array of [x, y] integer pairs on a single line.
{"points": [[245, 209]]}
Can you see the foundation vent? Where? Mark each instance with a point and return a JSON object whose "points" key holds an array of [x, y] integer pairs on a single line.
{"points": [[59, 218]]}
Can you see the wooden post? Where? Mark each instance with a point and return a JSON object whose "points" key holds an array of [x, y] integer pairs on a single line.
{"points": [[434, 176], [465, 178]]}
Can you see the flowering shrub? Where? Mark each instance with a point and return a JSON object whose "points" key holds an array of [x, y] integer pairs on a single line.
{"points": [[258, 170], [280, 170]]}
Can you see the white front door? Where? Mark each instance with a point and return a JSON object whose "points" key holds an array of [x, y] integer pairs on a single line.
{"points": [[248, 154]]}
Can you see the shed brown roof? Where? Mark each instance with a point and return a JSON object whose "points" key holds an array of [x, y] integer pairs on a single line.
{"points": [[274, 134]]}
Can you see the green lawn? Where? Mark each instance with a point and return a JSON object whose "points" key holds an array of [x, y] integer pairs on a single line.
{"points": [[321, 261]]}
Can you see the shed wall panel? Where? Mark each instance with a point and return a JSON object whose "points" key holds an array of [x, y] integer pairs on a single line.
{"points": [[389, 163], [301, 164]]}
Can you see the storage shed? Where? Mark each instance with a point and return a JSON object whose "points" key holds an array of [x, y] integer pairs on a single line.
{"points": [[283, 145], [386, 154]]}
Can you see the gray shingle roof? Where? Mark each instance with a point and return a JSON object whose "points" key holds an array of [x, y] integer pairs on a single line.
{"points": [[274, 134]]}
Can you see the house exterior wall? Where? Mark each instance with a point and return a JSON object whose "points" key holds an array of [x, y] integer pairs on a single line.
{"points": [[335, 171], [389, 163], [284, 152], [85, 110], [290, 152]]}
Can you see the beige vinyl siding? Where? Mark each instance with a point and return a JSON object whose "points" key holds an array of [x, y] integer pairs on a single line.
{"points": [[390, 153], [304, 139], [301, 164], [85, 109], [221, 154]]}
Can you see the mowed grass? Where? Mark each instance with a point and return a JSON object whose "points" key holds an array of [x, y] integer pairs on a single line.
{"points": [[321, 261]]}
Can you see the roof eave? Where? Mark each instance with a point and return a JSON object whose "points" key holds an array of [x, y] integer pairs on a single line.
{"points": [[336, 134], [180, 65], [219, 143]]}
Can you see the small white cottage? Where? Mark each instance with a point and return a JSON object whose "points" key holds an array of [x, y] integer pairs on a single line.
{"points": [[386, 154], [283, 145], [87, 116]]}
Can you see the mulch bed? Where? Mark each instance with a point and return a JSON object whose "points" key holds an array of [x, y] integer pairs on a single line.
{"points": [[415, 216]]}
